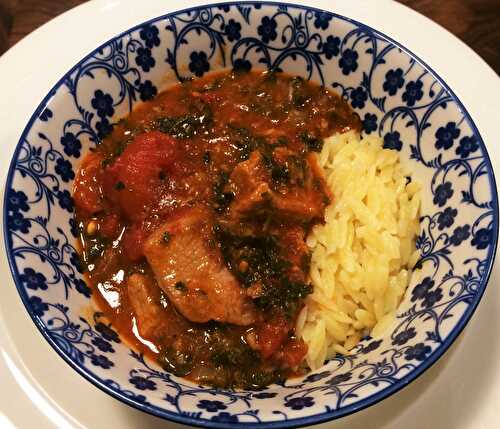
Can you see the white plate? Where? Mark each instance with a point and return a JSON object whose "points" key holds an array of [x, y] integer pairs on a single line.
{"points": [[39, 390]]}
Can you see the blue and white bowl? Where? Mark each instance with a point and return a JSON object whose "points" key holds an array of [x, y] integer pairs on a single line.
{"points": [[397, 97]]}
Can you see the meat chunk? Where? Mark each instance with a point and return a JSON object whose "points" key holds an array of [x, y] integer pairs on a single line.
{"points": [[192, 272], [155, 323], [249, 182], [287, 188]]}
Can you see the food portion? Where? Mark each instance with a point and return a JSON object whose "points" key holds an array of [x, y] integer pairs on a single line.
{"points": [[200, 213], [363, 253]]}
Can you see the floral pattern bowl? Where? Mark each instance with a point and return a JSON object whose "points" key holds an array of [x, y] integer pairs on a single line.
{"points": [[397, 96]]}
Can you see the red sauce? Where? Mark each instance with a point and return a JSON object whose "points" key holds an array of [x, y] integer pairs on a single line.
{"points": [[193, 217]]}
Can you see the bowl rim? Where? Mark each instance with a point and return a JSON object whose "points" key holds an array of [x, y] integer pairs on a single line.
{"points": [[296, 422]]}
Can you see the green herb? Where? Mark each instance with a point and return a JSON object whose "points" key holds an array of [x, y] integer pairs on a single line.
{"points": [[119, 186], [181, 286], [186, 126], [280, 173], [177, 362], [206, 157], [166, 237], [162, 175], [313, 143]]}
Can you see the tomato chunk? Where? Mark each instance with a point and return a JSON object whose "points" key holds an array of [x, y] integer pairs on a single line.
{"points": [[110, 225], [87, 191], [134, 179], [132, 241], [271, 336], [294, 352]]}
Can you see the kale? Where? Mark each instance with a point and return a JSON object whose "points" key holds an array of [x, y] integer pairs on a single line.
{"points": [[284, 296], [186, 126], [237, 356], [177, 362], [245, 142], [166, 237], [312, 142], [261, 253]]}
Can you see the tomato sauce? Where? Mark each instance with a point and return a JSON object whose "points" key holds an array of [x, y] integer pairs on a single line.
{"points": [[193, 216]]}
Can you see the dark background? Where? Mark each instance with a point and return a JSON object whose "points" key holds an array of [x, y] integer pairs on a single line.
{"points": [[476, 22]]}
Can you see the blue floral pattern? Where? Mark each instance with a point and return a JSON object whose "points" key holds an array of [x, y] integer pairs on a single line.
{"points": [[396, 98]]}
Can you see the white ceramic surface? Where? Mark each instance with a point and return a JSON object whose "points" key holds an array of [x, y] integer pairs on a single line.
{"points": [[57, 380]]}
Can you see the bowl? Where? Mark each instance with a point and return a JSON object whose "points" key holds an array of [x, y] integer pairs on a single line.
{"points": [[397, 97]]}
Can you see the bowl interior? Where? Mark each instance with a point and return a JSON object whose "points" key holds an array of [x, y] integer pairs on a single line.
{"points": [[396, 96]]}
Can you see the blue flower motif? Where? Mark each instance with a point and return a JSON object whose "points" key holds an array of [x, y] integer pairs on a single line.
{"points": [[392, 141], [103, 128], [264, 395], [73, 227], [358, 97], [64, 169], [242, 65], [340, 378], [149, 33], [432, 297], [418, 351], [16, 201], [71, 145], [225, 418], [224, 8], [369, 123], [446, 218], [461, 233], [446, 135], [349, 61], [316, 377], [374, 345], [404, 336], [76, 262], [103, 103], [65, 200], [81, 287], [101, 360], [232, 30], [107, 332], [482, 238], [147, 90], [413, 93], [46, 115], [467, 146], [103, 345], [393, 81], [211, 406], [38, 306], [33, 280], [322, 20], [300, 402], [421, 290], [144, 59], [199, 63], [142, 383], [17, 222], [331, 47], [442, 194], [267, 29]]}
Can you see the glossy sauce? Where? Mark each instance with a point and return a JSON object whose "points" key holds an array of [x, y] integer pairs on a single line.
{"points": [[223, 165]]}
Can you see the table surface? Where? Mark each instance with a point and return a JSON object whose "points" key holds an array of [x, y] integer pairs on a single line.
{"points": [[476, 22]]}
